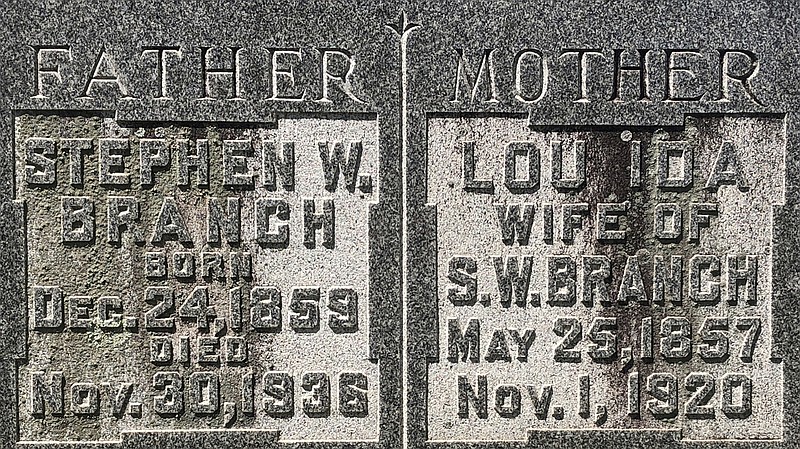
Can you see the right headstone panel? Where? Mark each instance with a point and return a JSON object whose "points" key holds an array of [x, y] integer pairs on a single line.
{"points": [[601, 238]]}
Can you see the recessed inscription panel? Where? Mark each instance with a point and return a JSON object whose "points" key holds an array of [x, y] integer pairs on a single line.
{"points": [[197, 278], [605, 278]]}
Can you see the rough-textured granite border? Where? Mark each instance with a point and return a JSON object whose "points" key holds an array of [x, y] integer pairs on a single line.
{"points": [[408, 78]]}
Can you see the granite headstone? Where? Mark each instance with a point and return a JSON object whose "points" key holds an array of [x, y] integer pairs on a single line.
{"points": [[399, 224]]}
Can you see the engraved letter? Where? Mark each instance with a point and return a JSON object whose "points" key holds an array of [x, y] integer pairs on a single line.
{"points": [[462, 273], [511, 223], [161, 67], [726, 169], [668, 150], [619, 68], [265, 309], [353, 394], [40, 162], [531, 179], [560, 281], [50, 70], [234, 163], [123, 212], [343, 78], [112, 166], [50, 393], [85, 399], [265, 208], [227, 222], [271, 162], [596, 276], [198, 162], [664, 210], [668, 281], [343, 304], [583, 68], [313, 221], [467, 343], [473, 81], [279, 394], [333, 161], [80, 308], [204, 392], [470, 183], [152, 153], [572, 217], [77, 219], [608, 226], [48, 307], [725, 75], [672, 69], [631, 286], [170, 222], [558, 180], [747, 277], [704, 293], [215, 74], [507, 401], [317, 399], [519, 60], [76, 148], [467, 396], [171, 402], [700, 216], [103, 72], [285, 73], [511, 279]]}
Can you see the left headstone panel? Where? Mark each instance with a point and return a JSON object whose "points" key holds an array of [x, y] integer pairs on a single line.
{"points": [[203, 255]]}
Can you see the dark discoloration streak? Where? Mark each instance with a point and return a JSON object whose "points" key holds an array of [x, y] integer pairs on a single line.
{"points": [[608, 181], [608, 163]]}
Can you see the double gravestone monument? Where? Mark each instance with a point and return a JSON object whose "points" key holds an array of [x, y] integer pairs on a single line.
{"points": [[399, 225]]}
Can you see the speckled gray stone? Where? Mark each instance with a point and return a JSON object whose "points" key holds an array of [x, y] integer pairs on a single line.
{"points": [[459, 253], [398, 224]]}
